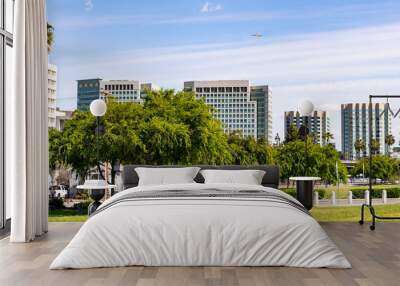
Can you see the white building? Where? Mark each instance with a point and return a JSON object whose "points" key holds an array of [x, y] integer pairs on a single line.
{"points": [[121, 90], [355, 118], [318, 123], [61, 117], [52, 95], [231, 101]]}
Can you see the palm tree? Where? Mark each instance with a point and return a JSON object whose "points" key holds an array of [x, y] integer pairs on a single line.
{"points": [[327, 137], [375, 146], [360, 146], [389, 141], [50, 37]]}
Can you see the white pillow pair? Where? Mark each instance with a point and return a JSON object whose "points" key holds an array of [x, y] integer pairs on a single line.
{"points": [[166, 176]]}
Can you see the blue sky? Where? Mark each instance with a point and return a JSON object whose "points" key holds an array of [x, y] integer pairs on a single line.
{"points": [[328, 51]]}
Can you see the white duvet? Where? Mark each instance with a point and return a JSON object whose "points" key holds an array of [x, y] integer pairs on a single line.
{"points": [[200, 231]]}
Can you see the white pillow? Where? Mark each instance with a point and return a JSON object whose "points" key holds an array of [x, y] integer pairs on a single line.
{"points": [[248, 177], [166, 176]]}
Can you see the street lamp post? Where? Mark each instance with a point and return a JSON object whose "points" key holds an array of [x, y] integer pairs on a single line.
{"points": [[97, 188], [98, 108], [277, 140], [305, 184], [306, 108]]}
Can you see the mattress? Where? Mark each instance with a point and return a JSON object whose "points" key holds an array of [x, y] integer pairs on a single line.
{"points": [[201, 225]]}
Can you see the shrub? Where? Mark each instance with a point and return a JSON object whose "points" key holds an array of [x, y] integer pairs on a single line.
{"points": [[377, 193], [322, 194], [82, 195], [292, 192], [82, 207], [56, 203]]}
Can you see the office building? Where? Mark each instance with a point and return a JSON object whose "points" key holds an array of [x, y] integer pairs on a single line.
{"points": [[355, 118], [318, 123], [262, 95], [51, 95], [231, 103], [88, 90], [119, 90], [62, 116]]}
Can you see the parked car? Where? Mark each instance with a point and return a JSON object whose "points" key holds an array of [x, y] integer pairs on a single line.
{"points": [[58, 191]]}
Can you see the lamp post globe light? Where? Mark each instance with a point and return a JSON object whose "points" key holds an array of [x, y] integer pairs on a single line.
{"points": [[305, 183], [96, 188], [98, 107], [306, 107]]}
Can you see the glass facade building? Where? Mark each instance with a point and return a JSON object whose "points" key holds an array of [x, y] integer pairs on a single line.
{"points": [[262, 95], [88, 90], [355, 118]]}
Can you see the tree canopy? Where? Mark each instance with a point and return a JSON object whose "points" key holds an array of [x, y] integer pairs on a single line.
{"points": [[169, 128], [320, 161], [176, 128], [383, 167]]}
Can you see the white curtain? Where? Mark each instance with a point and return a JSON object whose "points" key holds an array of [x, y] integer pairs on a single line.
{"points": [[27, 142]]}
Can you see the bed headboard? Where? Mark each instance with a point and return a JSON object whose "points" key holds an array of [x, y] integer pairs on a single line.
{"points": [[271, 177]]}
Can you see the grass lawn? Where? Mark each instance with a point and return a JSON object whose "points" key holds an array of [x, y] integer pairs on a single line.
{"points": [[343, 189], [323, 214], [352, 213], [66, 216]]}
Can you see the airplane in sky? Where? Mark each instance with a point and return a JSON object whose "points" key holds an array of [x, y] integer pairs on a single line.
{"points": [[257, 35]]}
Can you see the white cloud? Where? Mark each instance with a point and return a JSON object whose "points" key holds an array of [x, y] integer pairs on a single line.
{"points": [[330, 68], [210, 7], [337, 13], [88, 5]]}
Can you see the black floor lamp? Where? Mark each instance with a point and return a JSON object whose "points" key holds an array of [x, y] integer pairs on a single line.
{"points": [[369, 205]]}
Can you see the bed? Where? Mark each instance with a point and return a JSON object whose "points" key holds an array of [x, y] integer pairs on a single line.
{"points": [[201, 224]]}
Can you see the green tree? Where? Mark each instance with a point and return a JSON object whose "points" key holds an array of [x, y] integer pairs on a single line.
{"points": [[383, 167], [327, 137], [169, 128], [389, 141], [319, 161], [375, 146], [359, 146], [292, 134], [249, 151]]}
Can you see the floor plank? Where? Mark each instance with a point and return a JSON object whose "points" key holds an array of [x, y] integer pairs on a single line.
{"points": [[375, 257]]}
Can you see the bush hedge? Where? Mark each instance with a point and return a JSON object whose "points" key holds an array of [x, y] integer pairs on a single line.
{"points": [[56, 203], [82, 207], [292, 192], [377, 193]]}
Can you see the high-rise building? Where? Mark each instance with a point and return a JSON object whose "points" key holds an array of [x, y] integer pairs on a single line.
{"points": [[51, 94], [119, 90], [318, 123], [88, 90], [355, 118], [262, 95], [231, 102]]}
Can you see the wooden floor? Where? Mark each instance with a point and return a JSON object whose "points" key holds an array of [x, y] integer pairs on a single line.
{"points": [[375, 257]]}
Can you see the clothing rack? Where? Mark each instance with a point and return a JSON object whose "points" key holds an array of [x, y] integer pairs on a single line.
{"points": [[369, 205]]}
